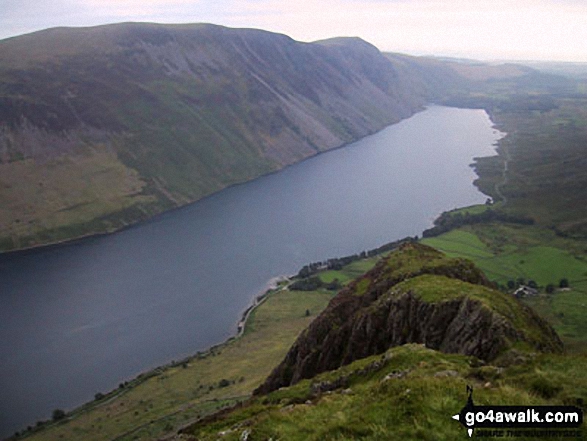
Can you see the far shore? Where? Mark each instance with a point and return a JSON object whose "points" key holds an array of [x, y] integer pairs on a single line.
{"points": [[96, 234]]}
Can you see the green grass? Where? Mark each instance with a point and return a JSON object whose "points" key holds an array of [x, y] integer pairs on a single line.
{"points": [[433, 289], [349, 272], [417, 405], [460, 243], [173, 396], [510, 252], [507, 252]]}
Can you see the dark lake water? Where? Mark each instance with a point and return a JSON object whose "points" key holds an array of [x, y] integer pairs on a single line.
{"points": [[80, 318]]}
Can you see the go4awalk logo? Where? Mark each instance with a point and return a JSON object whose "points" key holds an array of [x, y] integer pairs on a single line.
{"points": [[505, 421]]}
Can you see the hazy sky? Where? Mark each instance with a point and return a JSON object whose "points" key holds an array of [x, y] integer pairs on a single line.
{"points": [[483, 29]]}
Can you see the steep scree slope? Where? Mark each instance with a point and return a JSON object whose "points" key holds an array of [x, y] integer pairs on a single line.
{"points": [[104, 126]]}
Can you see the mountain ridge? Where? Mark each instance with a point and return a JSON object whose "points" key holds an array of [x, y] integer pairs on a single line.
{"points": [[172, 113], [107, 126]]}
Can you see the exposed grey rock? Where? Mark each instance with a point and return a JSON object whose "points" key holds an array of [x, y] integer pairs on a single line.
{"points": [[359, 324]]}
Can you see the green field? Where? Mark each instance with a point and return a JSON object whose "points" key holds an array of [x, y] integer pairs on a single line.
{"points": [[349, 272], [164, 400], [567, 312], [508, 252], [511, 252]]}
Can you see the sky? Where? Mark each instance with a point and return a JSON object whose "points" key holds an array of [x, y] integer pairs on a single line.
{"points": [[481, 29]]}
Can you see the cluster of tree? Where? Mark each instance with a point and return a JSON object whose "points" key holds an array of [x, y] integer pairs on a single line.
{"points": [[564, 283], [338, 262], [449, 221], [520, 281], [58, 414], [224, 383], [313, 283]]}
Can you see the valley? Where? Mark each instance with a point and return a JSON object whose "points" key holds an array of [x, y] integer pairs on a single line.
{"points": [[168, 288], [153, 117], [309, 364]]}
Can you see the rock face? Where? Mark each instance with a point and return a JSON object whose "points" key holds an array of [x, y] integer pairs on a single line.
{"points": [[417, 295]]}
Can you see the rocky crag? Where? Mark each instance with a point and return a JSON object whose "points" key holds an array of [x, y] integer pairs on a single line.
{"points": [[416, 295]]}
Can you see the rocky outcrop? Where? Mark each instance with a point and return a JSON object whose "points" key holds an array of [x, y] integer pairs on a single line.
{"points": [[417, 295]]}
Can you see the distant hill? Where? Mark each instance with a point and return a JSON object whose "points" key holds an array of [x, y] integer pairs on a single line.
{"points": [[102, 127]]}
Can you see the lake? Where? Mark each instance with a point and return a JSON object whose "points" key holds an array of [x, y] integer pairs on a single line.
{"points": [[80, 318]]}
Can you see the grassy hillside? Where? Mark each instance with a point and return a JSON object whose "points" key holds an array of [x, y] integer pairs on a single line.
{"points": [[155, 116], [408, 393], [164, 400], [161, 115]]}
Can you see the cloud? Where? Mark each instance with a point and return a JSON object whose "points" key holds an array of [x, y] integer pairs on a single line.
{"points": [[482, 28], [538, 29], [138, 8]]}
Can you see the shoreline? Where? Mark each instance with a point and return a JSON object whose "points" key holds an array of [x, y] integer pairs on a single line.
{"points": [[138, 222], [256, 300]]}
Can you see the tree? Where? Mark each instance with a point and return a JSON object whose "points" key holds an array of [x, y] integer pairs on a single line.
{"points": [[549, 288], [511, 284], [334, 285], [564, 283], [58, 414]]}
